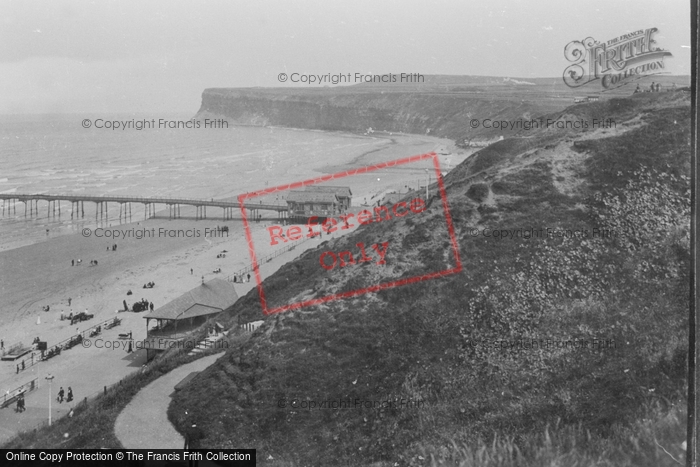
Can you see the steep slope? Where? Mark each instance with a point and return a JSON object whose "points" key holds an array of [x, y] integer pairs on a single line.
{"points": [[567, 234], [443, 114], [443, 106]]}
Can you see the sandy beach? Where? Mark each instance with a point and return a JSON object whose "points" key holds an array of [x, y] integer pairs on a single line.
{"points": [[41, 274]]}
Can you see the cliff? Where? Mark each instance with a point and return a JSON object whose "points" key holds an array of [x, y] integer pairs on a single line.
{"points": [[445, 114], [565, 333], [441, 106]]}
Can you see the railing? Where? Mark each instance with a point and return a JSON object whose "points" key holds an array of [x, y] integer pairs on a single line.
{"points": [[95, 396], [30, 361], [266, 259], [140, 199], [11, 396], [65, 344]]}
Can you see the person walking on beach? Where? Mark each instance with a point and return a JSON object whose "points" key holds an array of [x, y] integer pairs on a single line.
{"points": [[69, 300], [248, 277], [60, 395], [70, 394], [72, 262], [191, 271]]}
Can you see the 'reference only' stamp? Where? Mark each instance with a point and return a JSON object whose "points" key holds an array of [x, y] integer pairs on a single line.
{"points": [[313, 220]]}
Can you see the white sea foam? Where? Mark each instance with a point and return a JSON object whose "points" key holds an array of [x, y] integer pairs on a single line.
{"points": [[63, 158]]}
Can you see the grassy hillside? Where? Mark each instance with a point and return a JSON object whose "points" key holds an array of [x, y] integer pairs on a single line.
{"points": [[474, 362], [439, 105]]}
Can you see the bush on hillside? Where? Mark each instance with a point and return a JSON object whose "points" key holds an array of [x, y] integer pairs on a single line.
{"points": [[478, 192]]}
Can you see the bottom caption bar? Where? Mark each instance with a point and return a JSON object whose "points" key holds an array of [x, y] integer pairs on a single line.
{"points": [[135, 457]]}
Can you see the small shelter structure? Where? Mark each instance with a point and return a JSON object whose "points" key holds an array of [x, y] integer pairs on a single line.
{"points": [[186, 312]]}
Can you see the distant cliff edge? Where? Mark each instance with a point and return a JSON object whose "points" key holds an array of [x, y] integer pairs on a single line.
{"points": [[446, 114], [467, 109]]}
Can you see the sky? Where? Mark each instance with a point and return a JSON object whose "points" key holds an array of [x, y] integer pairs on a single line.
{"points": [[129, 56]]}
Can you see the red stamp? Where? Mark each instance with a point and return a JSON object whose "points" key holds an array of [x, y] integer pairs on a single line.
{"points": [[314, 209]]}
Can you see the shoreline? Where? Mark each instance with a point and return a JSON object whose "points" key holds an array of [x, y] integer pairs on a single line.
{"points": [[39, 274]]}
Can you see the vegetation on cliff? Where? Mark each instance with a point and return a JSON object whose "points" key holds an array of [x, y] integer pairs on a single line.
{"points": [[562, 346]]}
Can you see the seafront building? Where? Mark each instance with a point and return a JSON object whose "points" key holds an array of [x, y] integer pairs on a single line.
{"points": [[187, 312], [343, 193], [319, 201]]}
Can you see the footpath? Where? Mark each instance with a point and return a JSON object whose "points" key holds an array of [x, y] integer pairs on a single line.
{"points": [[144, 424]]}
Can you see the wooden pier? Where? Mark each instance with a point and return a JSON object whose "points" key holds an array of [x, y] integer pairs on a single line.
{"points": [[77, 206]]}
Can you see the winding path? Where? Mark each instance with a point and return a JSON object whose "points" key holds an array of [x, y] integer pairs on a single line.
{"points": [[144, 424]]}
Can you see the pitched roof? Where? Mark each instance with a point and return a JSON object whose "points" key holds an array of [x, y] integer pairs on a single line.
{"points": [[338, 190], [211, 297], [392, 198], [311, 197]]}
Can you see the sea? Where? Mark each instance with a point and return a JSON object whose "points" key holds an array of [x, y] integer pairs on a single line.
{"points": [[61, 154]]}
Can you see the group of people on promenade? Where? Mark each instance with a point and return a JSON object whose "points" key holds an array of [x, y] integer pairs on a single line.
{"points": [[61, 394], [241, 278], [20, 403]]}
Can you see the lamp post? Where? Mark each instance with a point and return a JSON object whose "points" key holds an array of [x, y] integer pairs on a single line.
{"points": [[427, 183], [49, 378]]}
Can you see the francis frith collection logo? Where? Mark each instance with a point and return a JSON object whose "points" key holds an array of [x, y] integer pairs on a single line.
{"points": [[615, 62]]}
